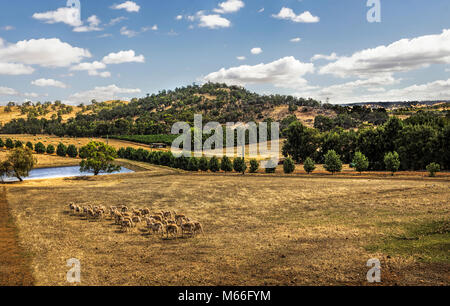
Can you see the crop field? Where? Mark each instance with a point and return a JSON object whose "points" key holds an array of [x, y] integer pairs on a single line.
{"points": [[258, 229]]}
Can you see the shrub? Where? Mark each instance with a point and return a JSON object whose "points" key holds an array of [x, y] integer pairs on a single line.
{"points": [[50, 149], [166, 159], [288, 165], [360, 162], [239, 165], [121, 153], [193, 164], [181, 162], [254, 166], [39, 148], [203, 164], [433, 168], [9, 143], [72, 151], [309, 165], [61, 150], [392, 162], [226, 164], [30, 146], [333, 162], [214, 164], [2, 144], [18, 144]]}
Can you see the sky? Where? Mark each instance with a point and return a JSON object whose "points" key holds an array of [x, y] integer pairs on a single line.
{"points": [[330, 50]]}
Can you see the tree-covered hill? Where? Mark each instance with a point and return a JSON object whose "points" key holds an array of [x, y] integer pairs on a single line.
{"points": [[156, 113]]}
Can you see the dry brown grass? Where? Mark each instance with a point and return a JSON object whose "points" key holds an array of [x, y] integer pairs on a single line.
{"points": [[16, 114], [259, 230]]}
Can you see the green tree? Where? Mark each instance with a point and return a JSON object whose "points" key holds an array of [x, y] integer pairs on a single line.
{"points": [[72, 151], [214, 164], [361, 162], [50, 149], [309, 165], [226, 164], [29, 145], [288, 165], [61, 150], [392, 162], [254, 166], [433, 168], [203, 164], [239, 165], [301, 141], [98, 157], [2, 144], [333, 162], [19, 163], [9, 143], [39, 148], [18, 144], [193, 164]]}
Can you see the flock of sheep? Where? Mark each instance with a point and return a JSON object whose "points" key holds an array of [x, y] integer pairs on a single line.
{"points": [[167, 223]]}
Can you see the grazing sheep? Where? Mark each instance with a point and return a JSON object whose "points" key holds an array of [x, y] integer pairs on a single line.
{"points": [[157, 218], [198, 227], [145, 212], [127, 224], [124, 209], [157, 227], [179, 219], [187, 227], [171, 229], [136, 219]]}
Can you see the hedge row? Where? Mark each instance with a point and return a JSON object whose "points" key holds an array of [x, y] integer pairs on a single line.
{"points": [[61, 150]]}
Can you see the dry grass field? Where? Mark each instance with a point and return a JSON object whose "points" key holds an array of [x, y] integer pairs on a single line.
{"points": [[259, 229]]}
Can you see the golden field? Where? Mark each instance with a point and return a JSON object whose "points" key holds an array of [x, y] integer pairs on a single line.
{"points": [[259, 229]]}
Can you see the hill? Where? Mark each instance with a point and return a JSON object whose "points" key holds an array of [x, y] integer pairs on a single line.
{"points": [[156, 113]]}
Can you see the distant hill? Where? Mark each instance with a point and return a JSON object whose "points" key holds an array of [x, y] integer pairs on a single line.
{"points": [[156, 113]]}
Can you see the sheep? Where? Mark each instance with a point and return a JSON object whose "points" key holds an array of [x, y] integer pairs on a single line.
{"points": [[157, 218], [198, 227], [136, 219], [187, 227], [124, 209], [127, 224], [145, 212], [171, 229], [179, 219], [157, 227]]}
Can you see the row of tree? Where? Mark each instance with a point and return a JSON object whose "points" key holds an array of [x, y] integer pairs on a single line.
{"points": [[419, 141]]}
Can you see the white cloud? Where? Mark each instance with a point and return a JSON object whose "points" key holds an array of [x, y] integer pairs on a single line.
{"points": [[15, 69], [129, 6], [48, 83], [332, 57], [123, 57], [88, 66], [67, 15], [229, 6], [261, 10], [155, 27], [256, 51], [296, 40], [45, 52], [93, 22], [286, 72], [100, 93], [103, 74], [126, 32], [179, 17], [400, 56], [117, 20], [8, 28], [212, 21], [6, 91], [288, 14], [241, 58]]}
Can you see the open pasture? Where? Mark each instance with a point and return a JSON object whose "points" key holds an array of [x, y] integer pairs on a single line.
{"points": [[258, 230]]}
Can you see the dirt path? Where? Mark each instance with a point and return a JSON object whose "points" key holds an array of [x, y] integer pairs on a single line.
{"points": [[14, 268]]}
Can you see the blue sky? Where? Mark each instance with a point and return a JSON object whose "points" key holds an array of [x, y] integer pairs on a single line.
{"points": [[325, 49]]}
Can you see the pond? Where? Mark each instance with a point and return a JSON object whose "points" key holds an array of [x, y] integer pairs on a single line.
{"points": [[59, 172]]}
